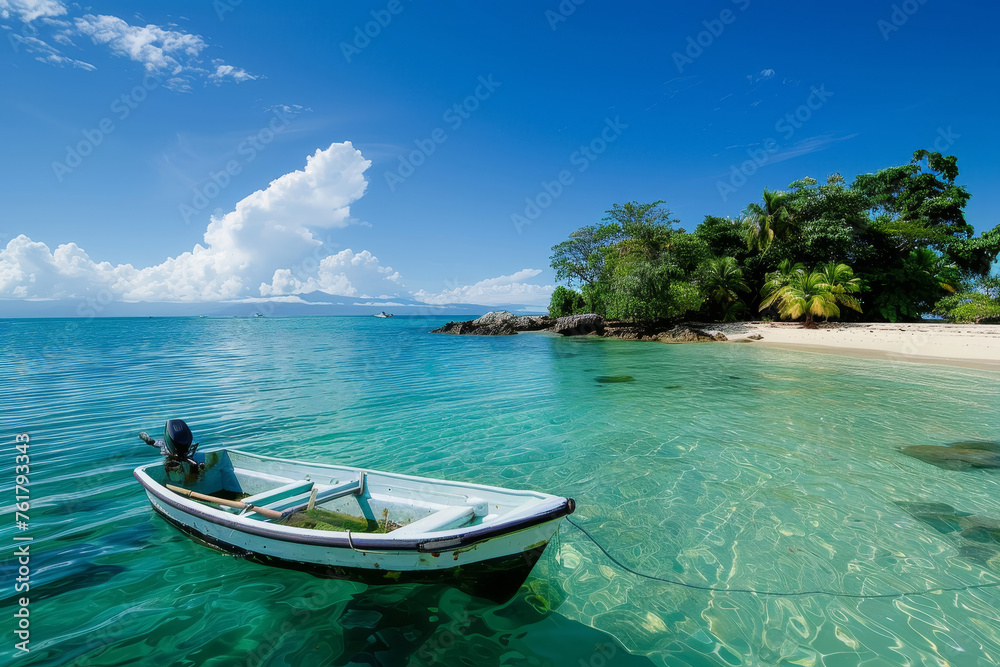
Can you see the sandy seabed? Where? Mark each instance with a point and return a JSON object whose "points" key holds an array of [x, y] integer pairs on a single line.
{"points": [[968, 345]]}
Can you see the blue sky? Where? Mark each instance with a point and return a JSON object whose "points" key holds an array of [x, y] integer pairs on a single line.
{"points": [[491, 104]]}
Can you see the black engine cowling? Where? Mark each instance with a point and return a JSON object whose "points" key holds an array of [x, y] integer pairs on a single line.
{"points": [[178, 438]]}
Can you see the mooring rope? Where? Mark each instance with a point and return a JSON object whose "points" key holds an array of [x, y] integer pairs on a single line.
{"points": [[752, 591]]}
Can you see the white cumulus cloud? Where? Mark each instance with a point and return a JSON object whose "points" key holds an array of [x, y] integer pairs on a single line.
{"points": [[494, 291], [28, 269], [29, 10], [346, 273], [265, 246]]}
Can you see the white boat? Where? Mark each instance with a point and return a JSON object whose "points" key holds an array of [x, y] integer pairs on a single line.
{"points": [[481, 539], [383, 314]]}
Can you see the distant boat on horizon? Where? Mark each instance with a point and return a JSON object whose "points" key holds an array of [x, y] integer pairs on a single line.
{"points": [[383, 315]]}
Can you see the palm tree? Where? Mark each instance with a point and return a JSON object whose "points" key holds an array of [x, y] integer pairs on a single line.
{"points": [[927, 262], [763, 224], [778, 279], [814, 293], [840, 278], [721, 279]]}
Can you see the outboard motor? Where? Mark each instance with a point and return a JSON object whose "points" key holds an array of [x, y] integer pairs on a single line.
{"points": [[176, 444], [177, 438]]}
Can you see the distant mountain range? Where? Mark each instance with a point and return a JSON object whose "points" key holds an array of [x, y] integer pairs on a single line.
{"points": [[314, 303]]}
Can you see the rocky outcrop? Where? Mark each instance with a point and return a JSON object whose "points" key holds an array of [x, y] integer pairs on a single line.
{"points": [[579, 325], [470, 328], [684, 334], [504, 323], [495, 318], [533, 322], [497, 323]]}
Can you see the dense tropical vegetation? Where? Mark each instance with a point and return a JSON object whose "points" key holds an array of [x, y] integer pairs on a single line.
{"points": [[893, 245]]}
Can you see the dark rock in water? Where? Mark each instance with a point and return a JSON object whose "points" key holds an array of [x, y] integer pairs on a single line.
{"points": [[682, 334], [976, 537], [673, 386], [957, 456], [608, 379], [930, 508], [986, 555], [497, 323], [735, 377], [579, 325], [942, 523], [980, 445]]}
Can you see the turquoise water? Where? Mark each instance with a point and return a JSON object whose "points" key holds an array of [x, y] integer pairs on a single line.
{"points": [[734, 474]]}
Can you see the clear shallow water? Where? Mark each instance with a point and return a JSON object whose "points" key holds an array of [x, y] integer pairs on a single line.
{"points": [[726, 467]]}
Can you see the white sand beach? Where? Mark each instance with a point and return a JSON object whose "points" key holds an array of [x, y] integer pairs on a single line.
{"points": [[968, 345]]}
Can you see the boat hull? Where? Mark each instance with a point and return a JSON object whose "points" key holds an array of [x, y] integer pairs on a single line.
{"points": [[487, 560], [496, 579]]}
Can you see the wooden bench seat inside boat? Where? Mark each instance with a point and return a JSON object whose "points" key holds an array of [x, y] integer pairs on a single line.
{"points": [[450, 517], [276, 496], [295, 496]]}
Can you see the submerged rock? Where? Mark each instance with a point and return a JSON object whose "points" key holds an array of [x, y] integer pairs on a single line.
{"points": [[957, 456], [930, 508], [976, 537], [608, 379]]}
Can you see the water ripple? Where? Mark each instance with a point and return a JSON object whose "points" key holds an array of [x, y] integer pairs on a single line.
{"points": [[727, 467]]}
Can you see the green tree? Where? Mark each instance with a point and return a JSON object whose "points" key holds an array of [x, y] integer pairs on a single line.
{"points": [[781, 277], [580, 258], [774, 219], [635, 266], [721, 281], [980, 302], [646, 291], [645, 229], [975, 256], [724, 236], [911, 286], [917, 204], [830, 218], [817, 293], [842, 283], [565, 301]]}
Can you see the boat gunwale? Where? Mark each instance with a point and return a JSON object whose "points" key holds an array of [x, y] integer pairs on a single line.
{"points": [[554, 508], [396, 475]]}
